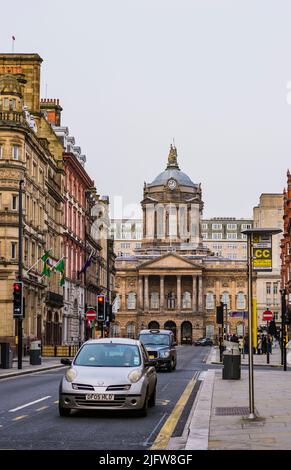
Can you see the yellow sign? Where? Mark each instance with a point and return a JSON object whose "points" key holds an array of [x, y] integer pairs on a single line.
{"points": [[262, 252]]}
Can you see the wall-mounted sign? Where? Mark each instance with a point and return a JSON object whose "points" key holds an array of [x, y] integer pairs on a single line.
{"points": [[262, 251]]}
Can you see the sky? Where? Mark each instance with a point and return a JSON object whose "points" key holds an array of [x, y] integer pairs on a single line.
{"points": [[132, 75]]}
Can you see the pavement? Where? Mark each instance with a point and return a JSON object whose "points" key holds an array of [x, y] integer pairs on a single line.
{"points": [[47, 363], [220, 414]]}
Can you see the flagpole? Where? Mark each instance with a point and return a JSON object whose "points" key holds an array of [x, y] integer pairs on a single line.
{"points": [[35, 263]]}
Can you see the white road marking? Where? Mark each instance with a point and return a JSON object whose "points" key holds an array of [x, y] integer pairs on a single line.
{"points": [[202, 375], [19, 417], [28, 404], [147, 441], [41, 408]]}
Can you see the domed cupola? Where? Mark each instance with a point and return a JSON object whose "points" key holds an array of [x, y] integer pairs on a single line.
{"points": [[172, 176]]}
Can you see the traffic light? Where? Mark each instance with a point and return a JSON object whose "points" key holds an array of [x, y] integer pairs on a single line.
{"points": [[101, 310], [109, 313], [219, 314], [18, 299]]}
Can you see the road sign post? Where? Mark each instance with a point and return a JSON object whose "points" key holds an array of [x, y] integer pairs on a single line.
{"points": [[259, 245]]}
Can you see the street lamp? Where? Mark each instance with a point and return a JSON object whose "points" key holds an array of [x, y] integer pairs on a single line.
{"points": [[259, 249]]}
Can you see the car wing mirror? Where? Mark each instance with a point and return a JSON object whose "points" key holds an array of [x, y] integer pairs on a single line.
{"points": [[150, 363], [174, 343], [66, 361]]}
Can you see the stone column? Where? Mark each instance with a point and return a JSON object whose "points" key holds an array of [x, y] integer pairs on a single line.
{"points": [[146, 293], [140, 292], [179, 292], [162, 292], [194, 304], [200, 295]]}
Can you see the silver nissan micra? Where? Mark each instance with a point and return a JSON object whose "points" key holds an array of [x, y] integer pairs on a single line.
{"points": [[111, 374]]}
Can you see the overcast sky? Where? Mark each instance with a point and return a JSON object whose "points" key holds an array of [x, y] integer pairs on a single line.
{"points": [[132, 75]]}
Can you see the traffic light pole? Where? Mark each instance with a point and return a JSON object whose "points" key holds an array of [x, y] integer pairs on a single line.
{"points": [[20, 235], [250, 329], [283, 330]]}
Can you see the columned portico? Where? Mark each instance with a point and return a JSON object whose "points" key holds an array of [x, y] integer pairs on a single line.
{"points": [[179, 292], [194, 294], [140, 292], [200, 294]]}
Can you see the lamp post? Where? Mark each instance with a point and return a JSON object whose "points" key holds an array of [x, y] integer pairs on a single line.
{"points": [[259, 258], [20, 236]]}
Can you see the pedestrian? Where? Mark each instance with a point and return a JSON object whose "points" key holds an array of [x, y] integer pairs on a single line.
{"points": [[270, 342], [241, 344], [246, 344], [264, 344], [259, 347]]}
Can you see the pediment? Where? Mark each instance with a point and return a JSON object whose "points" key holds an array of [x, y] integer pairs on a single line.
{"points": [[169, 261]]}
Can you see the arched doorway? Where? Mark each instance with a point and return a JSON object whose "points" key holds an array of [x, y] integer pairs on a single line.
{"points": [[153, 325], [186, 332], [170, 325]]}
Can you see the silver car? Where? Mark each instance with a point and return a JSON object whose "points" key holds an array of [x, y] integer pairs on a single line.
{"points": [[111, 374]]}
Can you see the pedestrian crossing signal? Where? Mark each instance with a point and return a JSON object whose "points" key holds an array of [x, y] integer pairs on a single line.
{"points": [[101, 308]]}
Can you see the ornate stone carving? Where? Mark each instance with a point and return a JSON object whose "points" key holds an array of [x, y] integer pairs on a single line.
{"points": [[117, 282], [210, 282], [131, 282], [225, 282]]}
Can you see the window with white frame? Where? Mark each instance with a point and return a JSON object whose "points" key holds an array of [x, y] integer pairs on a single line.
{"points": [[231, 226], [15, 152], [276, 316], [225, 298], [204, 226], [240, 329], [240, 301], [246, 226], [115, 330], [231, 236], [1, 151], [186, 300], [155, 300], [217, 236], [131, 301], [244, 237], [216, 226], [275, 288], [204, 235], [268, 288], [209, 301]]}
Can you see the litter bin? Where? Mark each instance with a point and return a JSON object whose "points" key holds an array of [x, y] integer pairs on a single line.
{"points": [[6, 358], [35, 353], [231, 361]]}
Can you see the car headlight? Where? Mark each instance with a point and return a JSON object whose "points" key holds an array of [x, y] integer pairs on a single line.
{"points": [[71, 374], [135, 375], [164, 353]]}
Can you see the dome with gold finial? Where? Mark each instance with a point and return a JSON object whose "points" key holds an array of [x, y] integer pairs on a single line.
{"points": [[172, 172]]}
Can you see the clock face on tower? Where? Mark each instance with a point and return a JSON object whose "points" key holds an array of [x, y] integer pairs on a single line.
{"points": [[172, 183]]}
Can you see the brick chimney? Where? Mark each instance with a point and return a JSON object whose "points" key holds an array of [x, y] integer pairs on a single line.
{"points": [[52, 110]]}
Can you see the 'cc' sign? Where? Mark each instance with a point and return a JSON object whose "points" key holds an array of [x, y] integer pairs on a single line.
{"points": [[262, 253]]}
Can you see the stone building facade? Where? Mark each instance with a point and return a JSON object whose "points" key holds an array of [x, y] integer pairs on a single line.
{"points": [[173, 281], [28, 151]]}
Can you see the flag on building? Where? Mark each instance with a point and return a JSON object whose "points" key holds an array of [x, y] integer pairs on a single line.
{"points": [[88, 263], [47, 264], [13, 37], [60, 266]]}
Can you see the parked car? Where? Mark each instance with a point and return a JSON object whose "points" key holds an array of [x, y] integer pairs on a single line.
{"points": [[203, 342], [109, 373], [160, 345]]}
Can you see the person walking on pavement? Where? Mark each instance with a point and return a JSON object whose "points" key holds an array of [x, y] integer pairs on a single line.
{"points": [[241, 344], [264, 344], [259, 347], [246, 344]]}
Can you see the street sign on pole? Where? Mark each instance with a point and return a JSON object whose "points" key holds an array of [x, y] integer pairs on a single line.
{"points": [[90, 314], [267, 315]]}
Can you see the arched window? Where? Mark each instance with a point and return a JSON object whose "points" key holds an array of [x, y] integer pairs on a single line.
{"points": [[115, 330], [186, 300], [155, 300], [130, 330], [153, 325], [225, 299], [209, 331], [240, 301], [240, 329], [209, 301], [171, 300], [131, 301]]}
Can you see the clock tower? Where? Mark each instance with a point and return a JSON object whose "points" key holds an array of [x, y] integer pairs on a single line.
{"points": [[172, 208]]}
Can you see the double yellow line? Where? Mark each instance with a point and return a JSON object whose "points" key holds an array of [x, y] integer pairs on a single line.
{"points": [[162, 439]]}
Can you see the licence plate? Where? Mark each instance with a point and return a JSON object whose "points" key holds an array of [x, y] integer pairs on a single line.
{"points": [[151, 356], [100, 396]]}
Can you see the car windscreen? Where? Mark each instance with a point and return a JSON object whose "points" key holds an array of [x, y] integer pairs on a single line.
{"points": [[108, 355], [154, 339]]}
